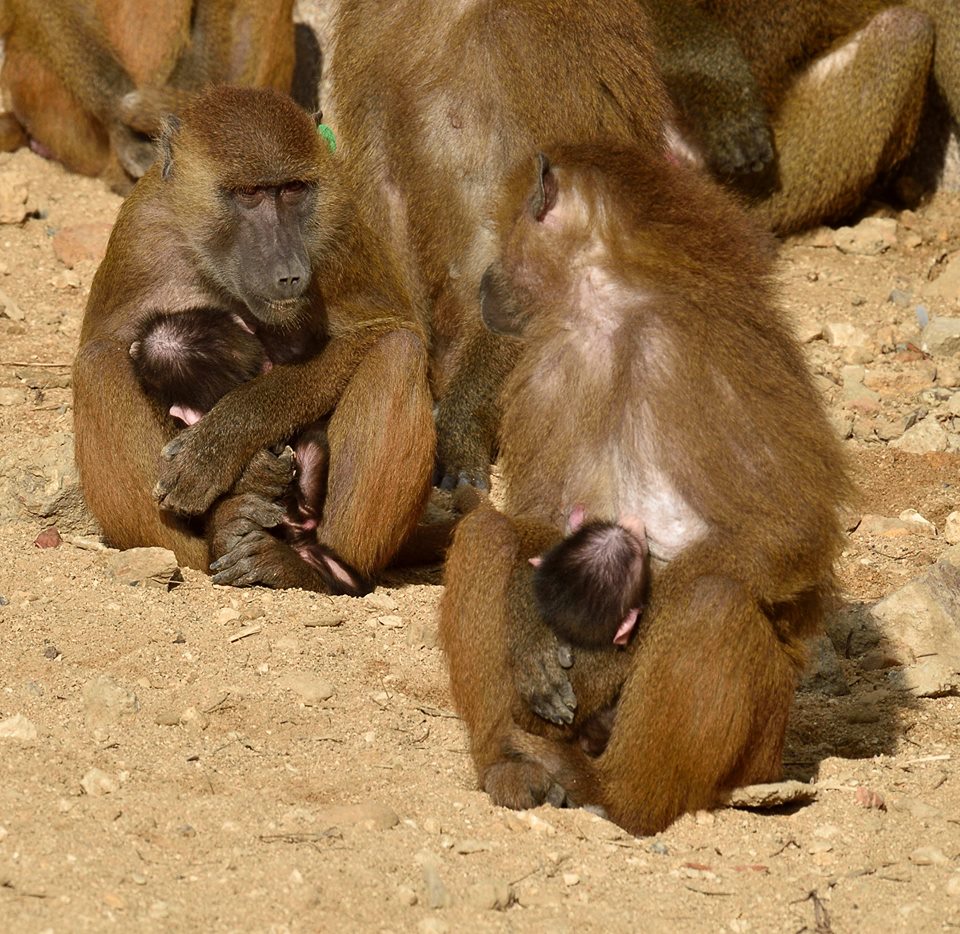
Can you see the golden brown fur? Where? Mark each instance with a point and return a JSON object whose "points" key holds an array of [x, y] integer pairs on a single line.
{"points": [[656, 380], [68, 67], [433, 102]]}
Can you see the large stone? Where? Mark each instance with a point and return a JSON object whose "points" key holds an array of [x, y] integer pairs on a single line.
{"points": [[926, 436], [941, 336], [924, 615]]}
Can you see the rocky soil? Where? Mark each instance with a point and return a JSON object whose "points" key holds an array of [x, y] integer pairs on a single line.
{"points": [[179, 756]]}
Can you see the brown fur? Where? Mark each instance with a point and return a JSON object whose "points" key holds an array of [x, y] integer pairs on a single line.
{"points": [[831, 90], [433, 103], [175, 246], [653, 359], [72, 70]]}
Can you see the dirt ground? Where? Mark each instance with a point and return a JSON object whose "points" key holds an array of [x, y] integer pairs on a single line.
{"points": [[205, 758]]}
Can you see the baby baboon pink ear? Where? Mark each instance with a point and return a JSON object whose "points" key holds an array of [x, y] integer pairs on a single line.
{"points": [[536, 562], [545, 196]]}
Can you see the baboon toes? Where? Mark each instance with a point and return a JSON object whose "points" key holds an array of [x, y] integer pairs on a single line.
{"points": [[522, 784]]}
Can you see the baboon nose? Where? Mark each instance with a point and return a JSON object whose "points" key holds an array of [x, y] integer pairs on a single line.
{"points": [[290, 283]]}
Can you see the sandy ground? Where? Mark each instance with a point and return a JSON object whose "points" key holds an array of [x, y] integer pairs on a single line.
{"points": [[212, 759]]}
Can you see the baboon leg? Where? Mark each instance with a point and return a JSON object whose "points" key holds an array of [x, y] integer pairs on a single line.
{"points": [[12, 135], [382, 444], [873, 88], [118, 468], [480, 615], [705, 705]]}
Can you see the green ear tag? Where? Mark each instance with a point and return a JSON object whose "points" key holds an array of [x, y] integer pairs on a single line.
{"points": [[328, 135]]}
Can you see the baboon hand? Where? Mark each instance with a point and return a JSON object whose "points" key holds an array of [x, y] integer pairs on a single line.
{"points": [[541, 679], [248, 562]]}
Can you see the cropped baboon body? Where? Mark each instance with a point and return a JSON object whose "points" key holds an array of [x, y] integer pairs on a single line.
{"points": [[69, 65], [249, 213], [434, 102], [657, 381], [824, 95]]}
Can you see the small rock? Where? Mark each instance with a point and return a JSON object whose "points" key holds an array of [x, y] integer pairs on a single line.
{"points": [[51, 651], [390, 622], [925, 437], [370, 815], [380, 601], [948, 374], [227, 615], [889, 429], [571, 879], [66, 279], [437, 894], [105, 702], [18, 728], [325, 618], [145, 567], [938, 676], [48, 538], [953, 885], [312, 690], [915, 808], [951, 531], [941, 336], [916, 521], [770, 795], [947, 284], [97, 782], [10, 309], [870, 799], [902, 298], [44, 377], [467, 847], [844, 334], [80, 242], [12, 395], [885, 527], [872, 236], [406, 896], [15, 201], [433, 926], [490, 895], [809, 331], [929, 856], [422, 633]]}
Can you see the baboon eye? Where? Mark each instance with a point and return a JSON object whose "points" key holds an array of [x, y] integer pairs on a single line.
{"points": [[250, 194], [293, 191]]}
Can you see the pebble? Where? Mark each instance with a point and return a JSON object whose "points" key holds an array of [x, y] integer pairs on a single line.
{"points": [[10, 309], [406, 896], [915, 808], [12, 395], [869, 799], [422, 634], [490, 895], [571, 879], [951, 530], [929, 856], [105, 702], [953, 885], [844, 334], [81, 242], [227, 615], [18, 728], [311, 689], [48, 538], [380, 601], [144, 567], [918, 522], [15, 201], [947, 284], [938, 676], [467, 847], [326, 618], [941, 336], [770, 795], [433, 926], [370, 815], [901, 297], [390, 622], [437, 894], [97, 782], [872, 236], [925, 437]]}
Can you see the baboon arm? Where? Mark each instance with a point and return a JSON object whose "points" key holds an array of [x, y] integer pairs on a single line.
{"points": [[204, 461]]}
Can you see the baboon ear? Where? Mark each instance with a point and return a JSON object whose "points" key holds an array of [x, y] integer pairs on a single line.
{"points": [[545, 195], [168, 130]]}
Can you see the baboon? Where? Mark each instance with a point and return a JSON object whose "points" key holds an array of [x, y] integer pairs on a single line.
{"points": [[433, 103], [249, 213], [72, 71], [656, 381]]}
